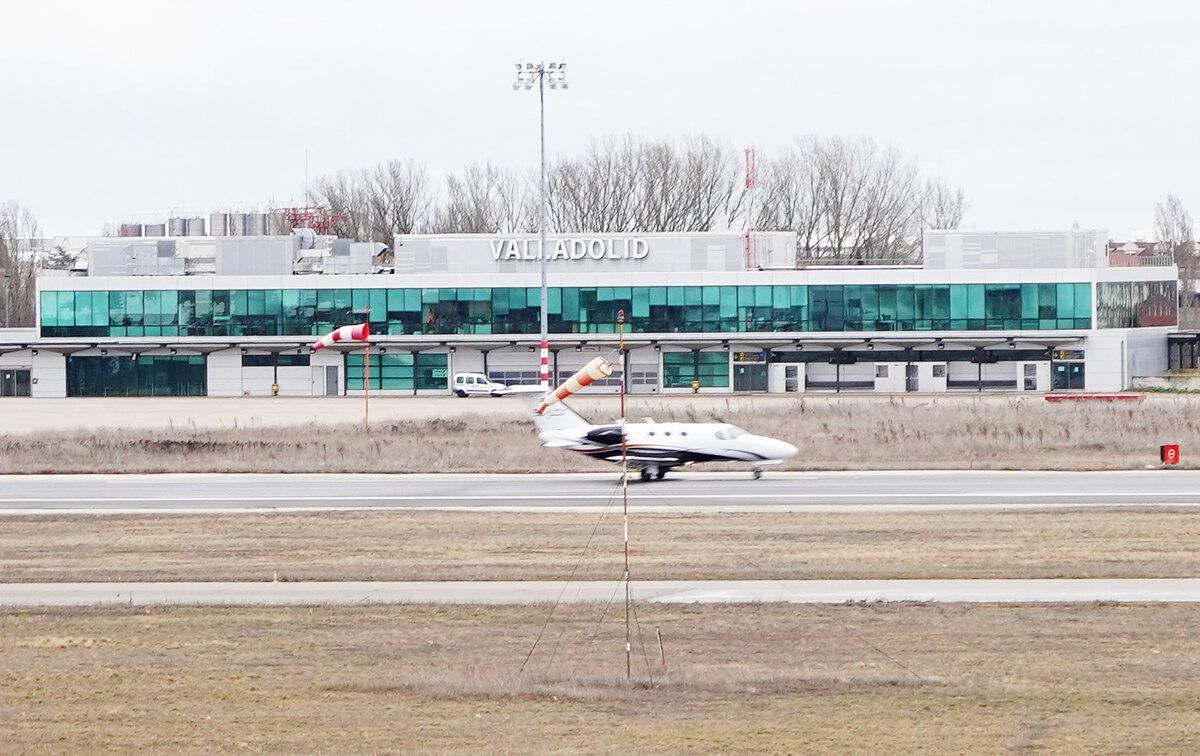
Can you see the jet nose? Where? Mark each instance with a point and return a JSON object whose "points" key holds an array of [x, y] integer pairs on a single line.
{"points": [[773, 448], [785, 449]]}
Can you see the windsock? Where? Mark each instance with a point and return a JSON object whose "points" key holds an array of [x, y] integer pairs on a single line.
{"points": [[358, 332], [593, 371]]}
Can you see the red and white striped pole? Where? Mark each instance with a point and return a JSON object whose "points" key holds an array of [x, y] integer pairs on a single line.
{"points": [[360, 332], [625, 493], [544, 374], [367, 374]]}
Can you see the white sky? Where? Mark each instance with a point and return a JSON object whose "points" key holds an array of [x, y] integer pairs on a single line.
{"points": [[1047, 113]]}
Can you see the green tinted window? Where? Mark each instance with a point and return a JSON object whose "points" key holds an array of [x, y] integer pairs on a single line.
{"points": [[144, 375], [667, 309], [49, 309]]}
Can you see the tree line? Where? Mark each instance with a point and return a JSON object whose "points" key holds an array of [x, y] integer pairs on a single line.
{"points": [[847, 199]]}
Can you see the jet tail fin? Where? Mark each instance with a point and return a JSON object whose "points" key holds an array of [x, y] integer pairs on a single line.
{"points": [[556, 417]]}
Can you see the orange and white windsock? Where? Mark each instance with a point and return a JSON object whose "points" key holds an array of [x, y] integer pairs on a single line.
{"points": [[593, 371], [358, 332]]}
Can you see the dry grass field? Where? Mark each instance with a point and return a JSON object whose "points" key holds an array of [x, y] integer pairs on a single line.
{"points": [[487, 546], [877, 678], [957, 432]]}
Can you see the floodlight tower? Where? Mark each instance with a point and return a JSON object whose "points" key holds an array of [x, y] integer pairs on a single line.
{"points": [[542, 75]]}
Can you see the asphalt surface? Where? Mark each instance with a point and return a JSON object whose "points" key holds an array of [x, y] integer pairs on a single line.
{"points": [[666, 592], [718, 491]]}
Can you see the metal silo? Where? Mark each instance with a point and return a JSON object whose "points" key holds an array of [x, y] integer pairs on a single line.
{"points": [[237, 224], [154, 229], [218, 224], [130, 229], [176, 227], [195, 227]]}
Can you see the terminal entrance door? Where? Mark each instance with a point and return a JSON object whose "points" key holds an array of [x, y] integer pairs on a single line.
{"points": [[1068, 376], [325, 380], [750, 377], [750, 371], [14, 382]]}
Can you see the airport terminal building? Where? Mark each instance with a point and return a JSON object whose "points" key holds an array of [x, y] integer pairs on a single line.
{"points": [[234, 315]]}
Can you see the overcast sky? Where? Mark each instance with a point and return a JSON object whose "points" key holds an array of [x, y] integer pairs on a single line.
{"points": [[1046, 113]]}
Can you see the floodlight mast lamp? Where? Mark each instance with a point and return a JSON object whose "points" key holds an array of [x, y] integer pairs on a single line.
{"points": [[542, 75]]}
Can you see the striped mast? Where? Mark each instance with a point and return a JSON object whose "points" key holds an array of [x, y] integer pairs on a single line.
{"points": [[625, 490], [367, 372], [360, 332]]}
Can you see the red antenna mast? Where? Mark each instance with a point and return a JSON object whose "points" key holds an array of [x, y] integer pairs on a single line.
{"points": [[319, 219]]}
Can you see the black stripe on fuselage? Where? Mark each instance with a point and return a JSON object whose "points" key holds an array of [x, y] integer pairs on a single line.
{"points": [[651, 455]]}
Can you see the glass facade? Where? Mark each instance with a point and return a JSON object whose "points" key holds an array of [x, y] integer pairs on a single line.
{"points": [[648, 309], [398, 371], [144, 375], [681, 368], [1137, 304]]}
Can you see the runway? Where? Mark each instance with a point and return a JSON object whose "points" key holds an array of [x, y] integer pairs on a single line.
{"points": [[544, 591], [42, 495]]}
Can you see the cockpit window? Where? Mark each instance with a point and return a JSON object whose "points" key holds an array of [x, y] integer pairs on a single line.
{"points": [[729, 432]]}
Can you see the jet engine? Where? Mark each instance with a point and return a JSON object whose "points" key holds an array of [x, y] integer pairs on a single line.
{"points": [[609, 435]]}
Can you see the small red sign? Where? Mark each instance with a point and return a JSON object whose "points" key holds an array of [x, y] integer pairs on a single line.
{"points": [[1169, 454]]}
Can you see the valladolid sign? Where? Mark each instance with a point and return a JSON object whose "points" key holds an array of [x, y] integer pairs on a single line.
{"points": [[571, 248]]}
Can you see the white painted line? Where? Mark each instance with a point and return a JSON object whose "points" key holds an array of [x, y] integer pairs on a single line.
{"points": [[1007, 591], [595, 509], [1194, 494]]}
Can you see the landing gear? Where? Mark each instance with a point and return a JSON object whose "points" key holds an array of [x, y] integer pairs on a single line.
{"points": [[757, 473], [660, 474], [645, 474], [652, 473]]}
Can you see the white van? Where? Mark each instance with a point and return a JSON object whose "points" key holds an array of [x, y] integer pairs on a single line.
{"points": [[468, 384]]}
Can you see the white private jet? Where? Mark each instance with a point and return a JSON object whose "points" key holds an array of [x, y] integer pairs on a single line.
{"points": [[654, 448]]}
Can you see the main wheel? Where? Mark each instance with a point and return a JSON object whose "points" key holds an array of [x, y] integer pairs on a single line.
{"points": [[660, 474], [645, 474], [757, 474]]}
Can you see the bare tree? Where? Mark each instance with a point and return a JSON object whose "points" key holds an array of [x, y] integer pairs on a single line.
{"points": [[628, 184], [852, 201], [790, 194], [1177, 234], [393, 197], [344, 193], [400, 199], [484, 199], [942, 206], [19, 237], [598, 191], [844, 199], [884, 221], [1173, 225]]}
